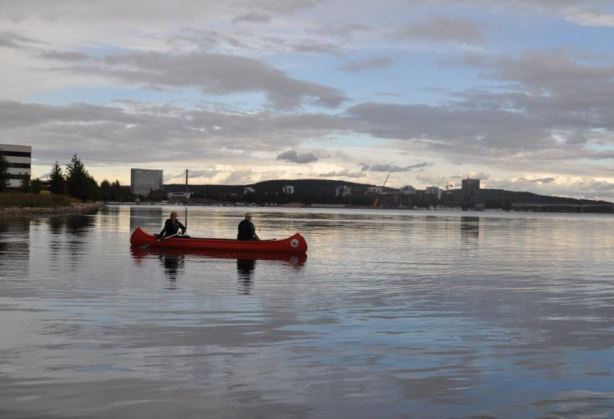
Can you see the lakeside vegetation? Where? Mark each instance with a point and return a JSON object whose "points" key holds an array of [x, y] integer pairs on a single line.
{"points": [[32, 200], [65, 188]]}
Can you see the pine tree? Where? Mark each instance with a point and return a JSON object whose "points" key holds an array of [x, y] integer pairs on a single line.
{"points": [[79, 182], [57, 183], [106, 194]]}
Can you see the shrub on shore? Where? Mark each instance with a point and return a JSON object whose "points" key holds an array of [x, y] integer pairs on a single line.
{"points": [[22, 200]]}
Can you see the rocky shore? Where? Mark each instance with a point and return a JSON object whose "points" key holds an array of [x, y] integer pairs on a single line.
{"points": [[75, 208]]}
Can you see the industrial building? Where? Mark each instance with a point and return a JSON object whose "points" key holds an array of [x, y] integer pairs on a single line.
{"points": [[470, 190], [145, 181], [19, 159]]}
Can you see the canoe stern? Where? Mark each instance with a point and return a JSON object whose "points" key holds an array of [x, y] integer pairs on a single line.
{"points": [[140, 237]]}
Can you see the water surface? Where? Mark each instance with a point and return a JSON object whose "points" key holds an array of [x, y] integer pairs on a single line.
{"points": [[392, 314]]}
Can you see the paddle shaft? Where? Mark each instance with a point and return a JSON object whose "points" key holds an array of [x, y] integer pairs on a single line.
{"points": [[146, 246]]}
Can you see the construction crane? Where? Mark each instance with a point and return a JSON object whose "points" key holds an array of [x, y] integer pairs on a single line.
{"points": [[386, 181], [376, 202]]}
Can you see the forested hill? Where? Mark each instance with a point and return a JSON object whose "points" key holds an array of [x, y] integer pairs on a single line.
{"points": [[501, 195], [324, 191]]}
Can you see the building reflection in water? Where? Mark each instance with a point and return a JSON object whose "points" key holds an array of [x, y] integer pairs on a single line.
{"points": [[14, 245], [146, 217], [470, 228]]}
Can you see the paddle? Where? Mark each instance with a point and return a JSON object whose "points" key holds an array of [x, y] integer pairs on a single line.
{"points": [[147, 245]]}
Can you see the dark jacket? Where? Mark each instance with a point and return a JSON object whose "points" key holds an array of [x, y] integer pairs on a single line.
{"points": [[171, 227], [247, 231]]}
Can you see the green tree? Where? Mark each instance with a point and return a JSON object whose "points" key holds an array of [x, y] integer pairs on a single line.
{"points": [[4, 174], [57, 182], [79, 183], [36, 185], [106, 193], [25, 183], [116, 192]]}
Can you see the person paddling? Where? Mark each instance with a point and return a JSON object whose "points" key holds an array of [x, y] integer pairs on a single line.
{"points": [[247, 230], [172, 227]]}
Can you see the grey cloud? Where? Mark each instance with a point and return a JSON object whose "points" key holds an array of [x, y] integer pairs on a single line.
{"points": [[543, 180], [213, 73], [479, 130], [313, 46], [559, 90], [345, 30], [300, 44], [204, 40], [16, 41], [386, 167], [139, 132], [367, 64], [137, 11], [300, 158], [443, 29], [253, 17], [551, 69], [431, 179], [284, 6], [66, 56], [343, 173], [193, 174]]}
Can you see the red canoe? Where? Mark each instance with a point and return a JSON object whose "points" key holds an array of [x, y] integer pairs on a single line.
{"points": [[295, 244]]}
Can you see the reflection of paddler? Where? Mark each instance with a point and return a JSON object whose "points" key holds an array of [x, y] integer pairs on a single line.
{"points": [[247, 230], [245, 269], [245, 266], [171, 263]]}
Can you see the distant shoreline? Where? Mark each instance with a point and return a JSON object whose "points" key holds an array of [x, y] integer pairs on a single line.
{"points": [[520, 208], [78, 208]]}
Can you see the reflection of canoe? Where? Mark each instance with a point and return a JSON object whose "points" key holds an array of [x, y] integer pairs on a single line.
{"points": [[293, 245], [294, 259]]}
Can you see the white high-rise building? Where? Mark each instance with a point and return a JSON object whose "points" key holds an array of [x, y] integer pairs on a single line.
{"points": [[343, 191], [145, 181], [19, 159]]}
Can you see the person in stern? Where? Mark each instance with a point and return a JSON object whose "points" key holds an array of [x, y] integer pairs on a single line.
{"points": [[171, 227], [247, 230]]}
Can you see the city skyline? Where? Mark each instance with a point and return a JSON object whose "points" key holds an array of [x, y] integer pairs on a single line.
{"points": [[518, 94]]}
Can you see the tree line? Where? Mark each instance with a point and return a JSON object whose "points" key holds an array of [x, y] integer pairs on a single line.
{"points": [[74, 180]]}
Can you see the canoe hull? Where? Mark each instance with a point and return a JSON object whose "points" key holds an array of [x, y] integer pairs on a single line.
{"points": [[294, 245]]}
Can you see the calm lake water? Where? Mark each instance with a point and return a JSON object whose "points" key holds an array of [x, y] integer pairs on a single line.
{"points": [[393, 314]]}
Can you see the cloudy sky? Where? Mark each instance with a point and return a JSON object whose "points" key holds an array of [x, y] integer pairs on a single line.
{"points": [[518, 93]]}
